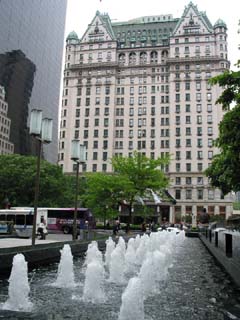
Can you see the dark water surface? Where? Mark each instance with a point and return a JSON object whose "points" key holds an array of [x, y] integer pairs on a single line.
{"points": [[197, 288]]}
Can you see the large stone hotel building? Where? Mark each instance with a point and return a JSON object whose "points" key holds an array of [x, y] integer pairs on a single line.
{"points": [[143, 85]]}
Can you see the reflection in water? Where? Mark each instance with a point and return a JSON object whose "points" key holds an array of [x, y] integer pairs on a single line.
{"points": [[196, 289]]}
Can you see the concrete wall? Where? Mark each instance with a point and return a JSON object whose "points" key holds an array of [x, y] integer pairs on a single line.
{"points": [[225, 247]]}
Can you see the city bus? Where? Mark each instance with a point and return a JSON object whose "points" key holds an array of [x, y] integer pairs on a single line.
{"points": [[61, 219], [19, 221]]}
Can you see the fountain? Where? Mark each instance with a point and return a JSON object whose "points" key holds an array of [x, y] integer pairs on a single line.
{"points": [[65, 276], [93, 253], [134, 289], [18, 290], [116, 268], [130, 257], [132, 306], [93, 286], [110, 246]]}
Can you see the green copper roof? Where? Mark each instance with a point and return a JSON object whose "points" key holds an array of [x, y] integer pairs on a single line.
{"points": [[144, 30], [220, 23], [72, 36], [107, 23]]}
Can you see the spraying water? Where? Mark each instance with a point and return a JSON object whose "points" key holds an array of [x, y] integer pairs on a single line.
{"points": [[93, 253], [132, 301], [110, 246], [116, 268], [65, 276], [18, 290], [130, 257], [93, 286]]}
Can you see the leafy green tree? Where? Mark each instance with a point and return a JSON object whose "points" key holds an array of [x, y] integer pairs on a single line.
{"points": [[224, 171], [17, 182], [103, 193], [143, 173]]}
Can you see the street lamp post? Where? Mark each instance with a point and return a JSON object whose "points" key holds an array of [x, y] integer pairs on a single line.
{"points": [[79, 156], [41, 129]]}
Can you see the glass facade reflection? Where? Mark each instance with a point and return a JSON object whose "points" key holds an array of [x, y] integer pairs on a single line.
{"points": [[31, 48]]}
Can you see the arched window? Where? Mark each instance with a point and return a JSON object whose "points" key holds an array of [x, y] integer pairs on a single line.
{"points": [[164, 54], [132, 58], [143, 57], [122, 58], [154, 56]]}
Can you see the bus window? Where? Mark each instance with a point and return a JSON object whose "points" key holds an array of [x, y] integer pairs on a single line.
{"points": [[20, 219], [2, 217], [81, 215], [29, 219], [11, 217]]}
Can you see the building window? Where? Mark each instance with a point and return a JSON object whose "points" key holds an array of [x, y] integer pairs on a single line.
{"points": [[200, 194], [178, 181], [105, 133], [178, 194], [85, 134], [188, 167], [188, 119], [178, 143], [210, 154], [188, 155], [199, 131], [210, 131], [188, 180], [210, 142], [199, 119], [178, 155], [178, 167], [188, 142], [210, 194], [209, 118], [106, 122], [78, 102], [199, 155], [198, 97], [188, 194], [209, 96], [199, 108], [95, 144], [105, 155], [209, 108]]}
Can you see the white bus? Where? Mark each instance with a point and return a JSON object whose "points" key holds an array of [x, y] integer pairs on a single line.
{"points": [[20, 221]]}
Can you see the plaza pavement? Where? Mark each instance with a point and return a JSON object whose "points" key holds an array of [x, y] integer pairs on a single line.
{"points": [[51, 238]]}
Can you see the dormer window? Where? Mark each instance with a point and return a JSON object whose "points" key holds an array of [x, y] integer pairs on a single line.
{"points": [[96, 30]]}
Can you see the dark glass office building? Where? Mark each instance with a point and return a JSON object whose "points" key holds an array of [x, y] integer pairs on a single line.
{"points": [[31, 49]]}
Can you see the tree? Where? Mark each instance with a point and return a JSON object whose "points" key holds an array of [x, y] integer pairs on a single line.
{"points": [[17, 182], [224, 171], [143, 173], [103, 193]]}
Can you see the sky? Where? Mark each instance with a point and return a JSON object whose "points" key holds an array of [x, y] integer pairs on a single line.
{"points": [[80, 13]]}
